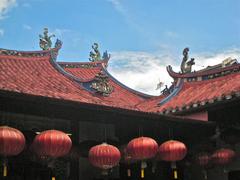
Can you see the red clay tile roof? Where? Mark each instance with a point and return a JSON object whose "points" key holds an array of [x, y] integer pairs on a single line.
{"points": [[35, 73], [85, 71], [37, 76], [120, 94], [199, 93]]}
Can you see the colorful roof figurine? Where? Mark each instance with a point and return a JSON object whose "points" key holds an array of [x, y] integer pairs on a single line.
{"points": [[37, 73]]}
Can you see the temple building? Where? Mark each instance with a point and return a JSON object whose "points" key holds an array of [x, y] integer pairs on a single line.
{"points": [[83, 100]]}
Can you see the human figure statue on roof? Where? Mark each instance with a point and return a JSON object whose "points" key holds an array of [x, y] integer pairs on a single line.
{"points": [[45, 40], [95, 55], [186, 66]]}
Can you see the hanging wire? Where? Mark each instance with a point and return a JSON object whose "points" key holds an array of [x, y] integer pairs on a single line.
{"points": [[140, 133], [170, 133], [105, 132]]}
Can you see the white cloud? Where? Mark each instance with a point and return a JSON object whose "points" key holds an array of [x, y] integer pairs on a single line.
{"points": [[1, 32], [5, 5], [209, 59], [27, 27], [142, 71]]}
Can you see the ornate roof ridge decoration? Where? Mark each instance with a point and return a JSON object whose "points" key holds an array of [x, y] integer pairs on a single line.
{"points": [[171, 92], [186, 65], [44, 52], [95, 54], [83, 64], [200, 104], [45, 41], [7, 52], [101, 84], [228, 66]]}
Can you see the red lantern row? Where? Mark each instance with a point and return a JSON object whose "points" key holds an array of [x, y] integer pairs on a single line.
{"points": [[106, 156]]}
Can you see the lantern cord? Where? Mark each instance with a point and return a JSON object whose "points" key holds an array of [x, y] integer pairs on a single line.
{"points": [[170, 133], [105, 132], [140, 131]]}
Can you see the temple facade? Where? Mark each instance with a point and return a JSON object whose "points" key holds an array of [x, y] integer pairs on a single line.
{"points": [[83, 100]]}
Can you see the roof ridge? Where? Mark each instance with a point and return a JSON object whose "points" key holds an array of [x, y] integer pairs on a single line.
{"points": [[95, 62], [126, 87], [17, 53]]}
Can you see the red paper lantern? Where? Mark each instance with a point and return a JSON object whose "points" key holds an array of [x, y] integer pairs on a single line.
{"points": [[203, 159], [172, 151], [104, 156], [12, 141], [52, 143], [223, 156], [142, 148]]}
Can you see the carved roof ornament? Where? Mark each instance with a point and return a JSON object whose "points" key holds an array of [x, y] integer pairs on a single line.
{"points": [[101, 84], [45, 42], [95, 54], [186, 65]]}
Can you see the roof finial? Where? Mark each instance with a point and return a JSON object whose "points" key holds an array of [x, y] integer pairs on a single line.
{"points": [[45, 42], [95, 55], [186, 67]]}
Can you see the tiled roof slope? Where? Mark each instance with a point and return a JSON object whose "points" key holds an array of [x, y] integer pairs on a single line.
{"points": [[120, 94], [36, 75], [198, 94], [85, 71]]}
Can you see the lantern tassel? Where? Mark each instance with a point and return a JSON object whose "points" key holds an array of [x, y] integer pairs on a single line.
{"points": [[175, 174], [129, 172], [143, 166], [104, 172], [4, 170], [205, 174], [142, 173]]}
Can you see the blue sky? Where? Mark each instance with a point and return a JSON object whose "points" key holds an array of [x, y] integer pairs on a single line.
{"points": [[134, 31]]}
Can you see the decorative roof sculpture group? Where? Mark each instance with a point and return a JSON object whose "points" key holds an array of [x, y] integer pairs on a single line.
{"points": [[45, 42], [101, 84], [186, 65], [95, 55]]}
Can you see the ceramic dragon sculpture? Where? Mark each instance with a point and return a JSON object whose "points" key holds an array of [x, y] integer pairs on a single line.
{"points": [[186, 65], [45, 42]]}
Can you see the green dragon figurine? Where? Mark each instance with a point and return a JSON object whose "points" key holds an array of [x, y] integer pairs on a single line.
{"points": [[45, 42]]}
